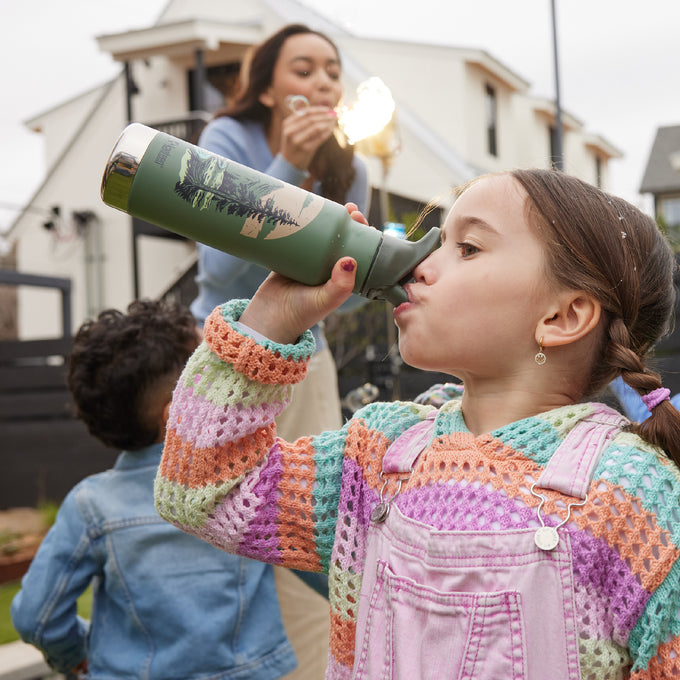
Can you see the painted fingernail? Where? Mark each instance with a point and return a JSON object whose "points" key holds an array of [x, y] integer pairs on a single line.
{"points": [[348, 265]]}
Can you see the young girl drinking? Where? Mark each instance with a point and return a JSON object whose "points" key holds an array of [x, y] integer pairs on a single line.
{"points": [[518, 531]]}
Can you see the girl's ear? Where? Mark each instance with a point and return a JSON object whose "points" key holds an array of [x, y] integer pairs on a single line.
{"points": [[574, 315], [266, 98]]}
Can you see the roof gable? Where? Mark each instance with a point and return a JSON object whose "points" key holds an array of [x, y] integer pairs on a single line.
{"points": [[660, 175]]}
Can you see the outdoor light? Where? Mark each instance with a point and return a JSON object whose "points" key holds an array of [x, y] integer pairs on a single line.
{"points": [[371, 112]]}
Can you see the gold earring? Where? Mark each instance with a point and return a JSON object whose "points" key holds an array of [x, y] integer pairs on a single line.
{"points": [[540, 358]]}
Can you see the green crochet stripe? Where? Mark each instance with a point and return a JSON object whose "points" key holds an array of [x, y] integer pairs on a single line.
{"points": [[658, 621], [342, 583], [300, 351], [213, 387], [189, 507], [602, 654]]}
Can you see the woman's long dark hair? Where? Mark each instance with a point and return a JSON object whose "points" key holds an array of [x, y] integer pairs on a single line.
{"points": [[332, 163]]}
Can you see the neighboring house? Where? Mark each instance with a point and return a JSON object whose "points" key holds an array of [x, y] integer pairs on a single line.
{"points": [[478, 117], [662, 179]]}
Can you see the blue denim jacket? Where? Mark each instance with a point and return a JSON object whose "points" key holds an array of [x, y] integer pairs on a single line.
{"points": [[165, 604]]}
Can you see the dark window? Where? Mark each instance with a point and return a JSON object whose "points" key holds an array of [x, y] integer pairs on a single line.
{"points": [[598, 172], [491, 121], [218, 89], [554, 153]]}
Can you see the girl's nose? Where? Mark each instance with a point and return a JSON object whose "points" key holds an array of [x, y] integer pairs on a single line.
{"points": [[423, 271]]}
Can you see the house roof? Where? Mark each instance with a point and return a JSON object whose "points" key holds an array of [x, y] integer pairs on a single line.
{"points": [[663, 167]]}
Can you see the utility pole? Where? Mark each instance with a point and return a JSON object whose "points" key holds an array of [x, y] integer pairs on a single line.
{"points": [[558, 152]]}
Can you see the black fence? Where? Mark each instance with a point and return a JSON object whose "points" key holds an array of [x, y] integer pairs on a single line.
{"points": [[45, 449]]}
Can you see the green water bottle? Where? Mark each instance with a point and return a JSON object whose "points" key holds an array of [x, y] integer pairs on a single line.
{"points": [[207, 198]]}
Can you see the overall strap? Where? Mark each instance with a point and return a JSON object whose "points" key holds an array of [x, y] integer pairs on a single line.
{"points": [[570, 469], [405, 449]]}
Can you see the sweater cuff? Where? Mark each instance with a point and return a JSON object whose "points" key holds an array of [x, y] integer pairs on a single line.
{"points": [[285, 171], [266, 361]]}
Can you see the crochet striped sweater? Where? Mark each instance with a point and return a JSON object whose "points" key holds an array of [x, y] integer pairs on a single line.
{"points": [[228, 479]]}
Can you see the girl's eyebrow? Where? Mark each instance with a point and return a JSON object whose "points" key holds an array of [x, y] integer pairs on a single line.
{"points": [[477, 222]]}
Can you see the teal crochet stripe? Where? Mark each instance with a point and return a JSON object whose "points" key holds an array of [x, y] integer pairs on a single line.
{"points": [[300, 351], [659, 615]]}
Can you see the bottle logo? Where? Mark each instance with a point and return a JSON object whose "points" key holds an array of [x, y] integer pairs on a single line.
{"points": [[270, 208]]}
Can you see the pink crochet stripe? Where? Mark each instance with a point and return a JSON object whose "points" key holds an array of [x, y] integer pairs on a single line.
{"points": [[247, 357], [354, 526], [207, 425], [337, 671]]}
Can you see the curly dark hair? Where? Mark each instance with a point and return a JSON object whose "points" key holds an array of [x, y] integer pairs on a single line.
{"points": [[123, 368]]}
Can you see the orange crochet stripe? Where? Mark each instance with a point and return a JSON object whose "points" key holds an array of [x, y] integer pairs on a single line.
{"points": [[196, 468], [666, 663], [368, 448], [249, 358], [461, 457], [295, 509], [607, 516], [341, 640]]}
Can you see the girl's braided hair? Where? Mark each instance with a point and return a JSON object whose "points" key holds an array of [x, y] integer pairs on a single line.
{"points": [[605, 246]]}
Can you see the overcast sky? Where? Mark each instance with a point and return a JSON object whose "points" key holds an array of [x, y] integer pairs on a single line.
{"points": [[619, 63]]}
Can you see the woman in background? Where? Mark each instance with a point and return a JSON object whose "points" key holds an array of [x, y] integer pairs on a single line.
{"points": [[283, 123]]}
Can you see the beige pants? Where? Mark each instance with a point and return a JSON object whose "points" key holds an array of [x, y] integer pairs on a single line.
{"points": [[315, 408]]}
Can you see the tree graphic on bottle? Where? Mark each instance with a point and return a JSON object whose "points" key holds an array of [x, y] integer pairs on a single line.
{"points": [[207, 183]]}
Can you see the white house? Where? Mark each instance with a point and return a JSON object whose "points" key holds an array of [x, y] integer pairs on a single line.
{"points": [[460, 112]]}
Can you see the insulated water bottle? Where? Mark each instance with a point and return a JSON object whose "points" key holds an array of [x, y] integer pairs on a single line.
{"points": [[205, 197]]}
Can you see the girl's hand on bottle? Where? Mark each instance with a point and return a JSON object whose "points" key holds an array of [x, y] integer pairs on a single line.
{"points": [[304, 132], [282, 309]]}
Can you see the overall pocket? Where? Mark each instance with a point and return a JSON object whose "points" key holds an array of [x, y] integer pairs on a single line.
{"points": [[416, 631], [464, 605]]}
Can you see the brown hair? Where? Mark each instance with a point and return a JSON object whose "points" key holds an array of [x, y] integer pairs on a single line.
{"points": [[332, 163], [606, 247]]}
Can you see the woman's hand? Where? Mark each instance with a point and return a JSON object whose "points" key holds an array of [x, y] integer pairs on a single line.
{"points": [[302, 133], [282, 309], [355, 213]]}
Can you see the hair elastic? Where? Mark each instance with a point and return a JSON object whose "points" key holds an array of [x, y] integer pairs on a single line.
{"points": [[655, 397]]}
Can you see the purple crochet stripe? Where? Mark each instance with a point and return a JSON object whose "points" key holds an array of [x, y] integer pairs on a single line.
{"points": [[259, 542], [600, 571], [230, 525], [358, 522], [207, 425]]}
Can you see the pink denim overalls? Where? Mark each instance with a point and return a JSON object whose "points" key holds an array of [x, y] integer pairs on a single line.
{"points": [[487, 605]]}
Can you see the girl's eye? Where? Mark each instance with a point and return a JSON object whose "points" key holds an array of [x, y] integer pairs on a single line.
{"points": [[303, 74], [467, 249]]}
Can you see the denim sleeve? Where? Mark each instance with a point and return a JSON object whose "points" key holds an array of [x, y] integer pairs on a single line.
{"points": [[633, 406], [44, 610], [359, 192], [315, 580]]}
